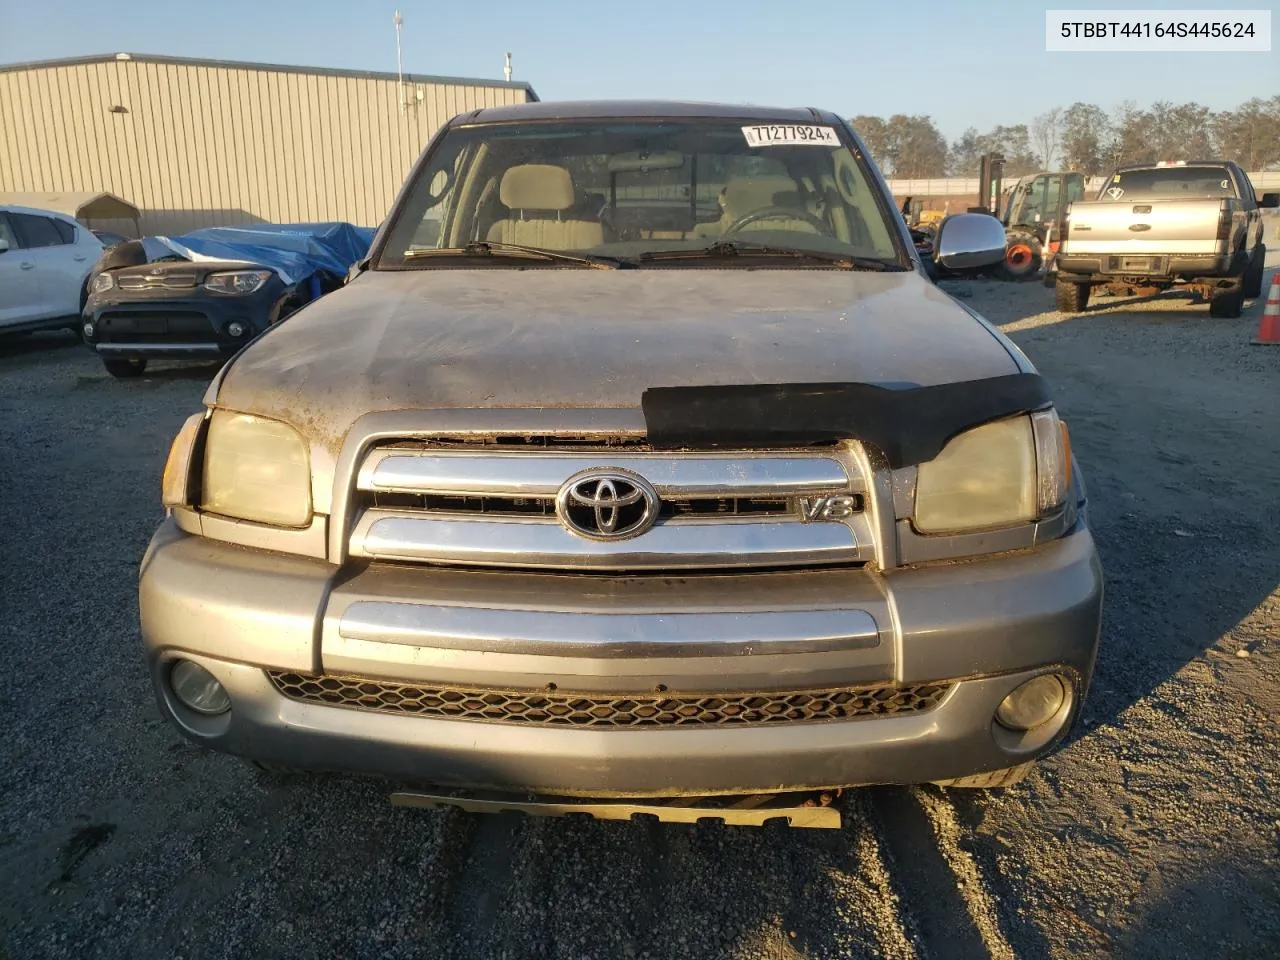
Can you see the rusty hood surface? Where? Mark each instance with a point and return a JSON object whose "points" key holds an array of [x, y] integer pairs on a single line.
{"points": [[449, 338]]}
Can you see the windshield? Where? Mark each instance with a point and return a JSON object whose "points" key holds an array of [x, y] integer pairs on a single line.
{"points": [[624, 189], [1170, 183]]}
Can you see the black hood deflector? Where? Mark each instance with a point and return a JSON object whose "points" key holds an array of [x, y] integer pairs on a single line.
{"points": [[909, 426]]}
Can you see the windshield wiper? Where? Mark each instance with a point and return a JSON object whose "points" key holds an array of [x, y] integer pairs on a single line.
{"points": [[481, 249], [734, 248]]}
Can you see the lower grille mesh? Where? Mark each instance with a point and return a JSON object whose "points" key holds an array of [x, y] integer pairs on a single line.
{"points": [[545, 708]]}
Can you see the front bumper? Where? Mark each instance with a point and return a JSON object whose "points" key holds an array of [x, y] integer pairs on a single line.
{"points": [[146, 324], [983, 627]]}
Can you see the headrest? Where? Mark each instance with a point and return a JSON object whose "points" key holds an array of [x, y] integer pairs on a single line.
{"points": [[742, 196], [537, 186]]}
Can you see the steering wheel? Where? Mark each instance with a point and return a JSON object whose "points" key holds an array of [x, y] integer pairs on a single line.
{"points": [[776, 212]]}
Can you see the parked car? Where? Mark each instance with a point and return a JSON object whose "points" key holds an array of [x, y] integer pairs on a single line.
{"points": [[1192, 224], [207, 293], [655, 468], [45, 259]]}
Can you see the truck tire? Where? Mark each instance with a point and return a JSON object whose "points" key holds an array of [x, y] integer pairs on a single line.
{"points": [[1071, 297], [1227, 304], [125, 369], [1023, 258], [990, 780], [1253, 275]]}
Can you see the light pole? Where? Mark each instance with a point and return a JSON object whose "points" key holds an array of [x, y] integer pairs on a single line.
{"points": [[399, 22]]}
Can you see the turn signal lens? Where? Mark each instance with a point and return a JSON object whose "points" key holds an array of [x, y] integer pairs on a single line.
{"points": [[177, 467], [1053, 462]]}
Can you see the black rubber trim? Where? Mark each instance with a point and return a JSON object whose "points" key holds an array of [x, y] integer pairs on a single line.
{"points": [[908, 426]]}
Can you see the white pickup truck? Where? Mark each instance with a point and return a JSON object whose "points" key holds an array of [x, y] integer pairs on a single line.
{"points": [[1196, 224]]}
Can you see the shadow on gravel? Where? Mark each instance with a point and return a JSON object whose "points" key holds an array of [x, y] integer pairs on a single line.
{"points": [[928, 885], [203, 372], [17, 345], [1228, 911]]}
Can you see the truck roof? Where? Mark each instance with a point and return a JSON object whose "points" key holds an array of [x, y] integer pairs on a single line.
{"points": [[1166, 164], [610, 109]]}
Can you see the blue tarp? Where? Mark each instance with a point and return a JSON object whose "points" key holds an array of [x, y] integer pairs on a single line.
{"points": [[296, 251]]}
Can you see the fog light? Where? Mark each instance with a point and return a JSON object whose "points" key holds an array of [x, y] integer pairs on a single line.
{"points": [[88, 329], [196, 688], [1033, 703], [235, 329]]}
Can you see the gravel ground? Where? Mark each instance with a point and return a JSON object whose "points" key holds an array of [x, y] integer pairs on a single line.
{"points": [[1152, 833]]}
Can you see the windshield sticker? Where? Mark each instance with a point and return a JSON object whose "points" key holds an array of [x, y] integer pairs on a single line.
{"points": [[1115, 193], [790, 135]]}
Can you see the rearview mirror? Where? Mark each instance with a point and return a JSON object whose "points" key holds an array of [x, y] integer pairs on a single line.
{"points": [[1269, 200], [641, 160], [969, 241]]}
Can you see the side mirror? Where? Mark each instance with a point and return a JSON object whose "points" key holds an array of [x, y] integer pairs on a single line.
{"points": [[1269, 200], [969, 241], [4, 244]]}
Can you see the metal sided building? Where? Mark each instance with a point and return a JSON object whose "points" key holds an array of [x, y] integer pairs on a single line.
{"points": [[196, 143]]}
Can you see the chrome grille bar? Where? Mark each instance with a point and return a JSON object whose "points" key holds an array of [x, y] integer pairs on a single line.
{"points": [[560, 633], [538, 474], [538, 543]]}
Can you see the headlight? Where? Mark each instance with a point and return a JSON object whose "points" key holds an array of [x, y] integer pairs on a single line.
{"points": [[997, 475], [237, 282], [103, 282], [256, 469]]}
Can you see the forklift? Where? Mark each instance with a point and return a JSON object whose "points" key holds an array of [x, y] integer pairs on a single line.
{"points": [[1030, 209]]}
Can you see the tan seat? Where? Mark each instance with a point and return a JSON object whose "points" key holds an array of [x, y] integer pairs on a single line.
{"points": [[537, 194], [741, 197]]}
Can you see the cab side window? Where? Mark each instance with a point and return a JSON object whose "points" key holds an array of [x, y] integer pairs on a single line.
{"points": [[7, 234], [1246, 191], [36, 231]]}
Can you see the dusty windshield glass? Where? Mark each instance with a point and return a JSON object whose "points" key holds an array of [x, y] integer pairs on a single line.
{"points": [[625, 188]]}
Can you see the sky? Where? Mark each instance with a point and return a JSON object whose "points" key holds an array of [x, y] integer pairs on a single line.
{"points": [[964, 64]]}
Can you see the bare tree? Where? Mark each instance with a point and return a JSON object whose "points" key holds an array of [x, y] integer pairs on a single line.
{"points": [[1086, 136], [1046, 132], [1013, 142], [904, 146], [875, 135], [1250, 134]]}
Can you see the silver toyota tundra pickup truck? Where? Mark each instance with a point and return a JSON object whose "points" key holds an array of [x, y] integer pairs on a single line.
{"points": [[639, 467]]}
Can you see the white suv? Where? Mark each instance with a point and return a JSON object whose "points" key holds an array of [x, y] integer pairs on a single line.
{"points": [[45, 259]]}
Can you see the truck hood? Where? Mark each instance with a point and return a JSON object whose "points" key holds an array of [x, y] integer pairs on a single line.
{"points": [[448, 338]]}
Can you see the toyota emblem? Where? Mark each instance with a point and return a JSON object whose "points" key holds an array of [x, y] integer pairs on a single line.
{"points": [[604, 504]]}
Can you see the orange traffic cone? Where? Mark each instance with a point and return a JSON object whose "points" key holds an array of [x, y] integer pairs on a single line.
{"points": [[1269, 327]]}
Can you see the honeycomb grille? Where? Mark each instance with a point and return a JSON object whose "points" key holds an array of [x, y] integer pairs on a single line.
{"points": [[546, 708]]}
